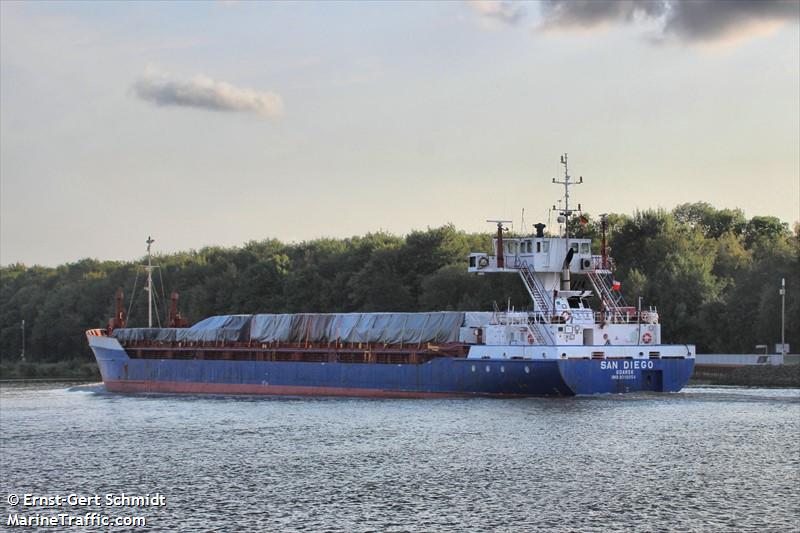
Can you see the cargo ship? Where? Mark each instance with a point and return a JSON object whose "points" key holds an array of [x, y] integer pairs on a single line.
{"points": [[577, 337]]}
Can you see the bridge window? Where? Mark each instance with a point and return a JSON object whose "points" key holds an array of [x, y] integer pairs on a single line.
{"points": [[538, 246], [574, 247], [546, 246], [529, 246], [585, 248]]}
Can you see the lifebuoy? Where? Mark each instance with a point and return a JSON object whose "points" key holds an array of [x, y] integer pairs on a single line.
{"points": [[530, 338], [483, 262], [647, 338], [566, 316]]}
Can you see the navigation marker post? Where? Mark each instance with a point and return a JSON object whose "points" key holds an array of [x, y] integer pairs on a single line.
{"points": [[782, 292]]}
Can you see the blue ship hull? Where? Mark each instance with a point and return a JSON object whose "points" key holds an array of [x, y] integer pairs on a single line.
{"points": [[443, 376]]}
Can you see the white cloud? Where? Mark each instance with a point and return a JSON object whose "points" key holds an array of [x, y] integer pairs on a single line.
{"points": [[494, 11], [205, 93]]}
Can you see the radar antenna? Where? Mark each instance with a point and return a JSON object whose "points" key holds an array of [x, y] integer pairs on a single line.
{"points": [[500, 223]]}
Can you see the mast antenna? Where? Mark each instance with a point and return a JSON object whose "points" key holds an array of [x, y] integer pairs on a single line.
{"points": [[565, 211], [149, 268]]}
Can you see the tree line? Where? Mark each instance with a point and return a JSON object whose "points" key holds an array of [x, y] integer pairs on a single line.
{"points": [[713, 274]]}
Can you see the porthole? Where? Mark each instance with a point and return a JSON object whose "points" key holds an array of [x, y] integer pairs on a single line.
{"points": [[527, 369], [473, 368], [502, 369], [487, 368]]}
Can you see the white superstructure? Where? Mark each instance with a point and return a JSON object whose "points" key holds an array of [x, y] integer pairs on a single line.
{"points": [[577, 306]]}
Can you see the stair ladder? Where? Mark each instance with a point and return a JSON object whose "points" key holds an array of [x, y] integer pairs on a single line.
{"points": [[612, 300], [541, 333], [542, 305]]}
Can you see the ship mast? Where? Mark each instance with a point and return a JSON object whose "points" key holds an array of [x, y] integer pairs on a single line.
{"points": [[566, 212], [149, 268], [564, 215]]}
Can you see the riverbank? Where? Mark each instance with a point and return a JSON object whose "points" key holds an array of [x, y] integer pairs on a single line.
{"points": [[784, 376], [79, 369]]}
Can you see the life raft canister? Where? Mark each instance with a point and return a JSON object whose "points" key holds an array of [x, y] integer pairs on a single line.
{"points": [[566, 316], [647, 338]]}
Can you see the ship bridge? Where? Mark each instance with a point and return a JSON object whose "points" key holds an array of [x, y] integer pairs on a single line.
{"points": [[542, 254], [545, 264]]}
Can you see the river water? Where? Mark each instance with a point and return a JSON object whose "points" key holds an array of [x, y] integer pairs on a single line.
{"points": [[705, 459]]}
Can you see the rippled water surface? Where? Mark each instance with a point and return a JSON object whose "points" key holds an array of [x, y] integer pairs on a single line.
{"points": [[706, 459]]}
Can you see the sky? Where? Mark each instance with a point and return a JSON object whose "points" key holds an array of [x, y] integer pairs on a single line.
{"points": [[218, 123]]}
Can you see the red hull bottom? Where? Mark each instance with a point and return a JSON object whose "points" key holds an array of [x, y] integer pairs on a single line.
{"points": [[181, 387]]}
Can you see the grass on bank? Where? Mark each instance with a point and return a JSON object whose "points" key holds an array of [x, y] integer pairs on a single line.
{"points": [[69, 369], [785, 376]]}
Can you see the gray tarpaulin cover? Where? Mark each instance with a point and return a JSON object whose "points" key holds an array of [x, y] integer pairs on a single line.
{"points": [[476, 319], [386, 328]]}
